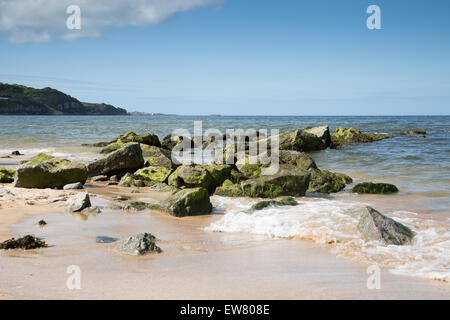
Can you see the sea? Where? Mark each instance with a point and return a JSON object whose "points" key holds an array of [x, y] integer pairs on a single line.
{"points": [[418, 165]]}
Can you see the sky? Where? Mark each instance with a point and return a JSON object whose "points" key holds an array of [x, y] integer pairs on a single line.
{"points": [[235, 57]]}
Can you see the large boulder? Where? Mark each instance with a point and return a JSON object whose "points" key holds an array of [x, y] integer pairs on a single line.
{"points": [[145, 177], [219, 172], [324, 181], [322, 133], [192, 176], [149, 139], [288, 181], [374, 188], [140, 244], [343, 136], [128, 158], [49, 172], [375, 226], [186, 202], [6, 175]]}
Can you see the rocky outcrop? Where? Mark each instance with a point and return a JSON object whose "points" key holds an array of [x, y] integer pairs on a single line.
{"points": [[192, 176], [145, 177], [140, 244], [186, 202], [157, 157], [45, 171], [229, 189], [128, 158], [375, 226], [344, 136], [6, 175], [145, 140], [324, 181], [289, 181], [374, 188], [79, 202], [309, 139]]}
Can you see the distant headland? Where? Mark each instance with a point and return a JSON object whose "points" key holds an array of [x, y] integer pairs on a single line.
{"points": [[21, 100]]}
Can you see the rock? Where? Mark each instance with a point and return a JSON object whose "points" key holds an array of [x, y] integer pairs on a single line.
{"points": [[192, 176], [122, 198], [128, 158], [27, 242], [4, 192], [299, 159], [324, 181], [41, 157], [170, 141], [250, 167], [6, 175], [16, 153], [375, 226], [229, 189], [78, 202], [422, 132], [146, 177], [343, 136], [42, 223], [158, 157], [114, 178], [44, 172], [137, 206], [140, 244], [308, 139], [289, 181], [219, 172], [147, 138], [186, 202], [100, 178], [91, 210], [288, 201], [163, 187], [103, 239], [73, 186], [374, 188], [112, 183], [58, 200]]}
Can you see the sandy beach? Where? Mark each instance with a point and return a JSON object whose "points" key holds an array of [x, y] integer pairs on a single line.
{"points": [[194, 264]]}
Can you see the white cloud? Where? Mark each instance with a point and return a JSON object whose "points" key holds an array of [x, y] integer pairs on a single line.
{"points": [[44, 20]]}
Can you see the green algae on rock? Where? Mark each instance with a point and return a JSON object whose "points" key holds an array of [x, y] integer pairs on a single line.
{"points": [[375, 226], [288, 201], [229, 189], [6, 175], [374, 188], [343, 136], [27, 242], [324, 181], [186, 202], [44, 172], [192, 176]]}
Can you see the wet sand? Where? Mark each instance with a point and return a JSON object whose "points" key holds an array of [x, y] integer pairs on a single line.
{"points": [[195, 264]]}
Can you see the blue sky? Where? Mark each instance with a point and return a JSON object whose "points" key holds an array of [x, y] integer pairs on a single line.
{"points": [[248, 57]]}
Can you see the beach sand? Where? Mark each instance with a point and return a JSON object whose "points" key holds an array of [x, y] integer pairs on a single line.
{"points": [[194, 264]]}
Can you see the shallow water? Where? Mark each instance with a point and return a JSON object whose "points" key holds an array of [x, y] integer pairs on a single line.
{"points": [[419, 166]]}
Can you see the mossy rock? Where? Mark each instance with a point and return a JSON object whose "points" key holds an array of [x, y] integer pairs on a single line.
{"points": [[157, 157], [192, 176], [250, 167], [288, 201], [41, 157], [229, 189], [186, 202], [374, 188], [26, 243], [52, 173], [128, 158], [6, 175], [324, 181], [170, 141], [289, 181], [343, 136], [147, 138], [308, 139], [219, 172], [299, 159], [163, 187], [145, 177]]}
